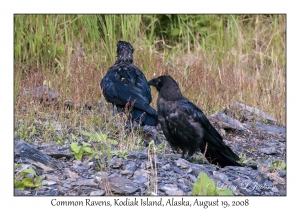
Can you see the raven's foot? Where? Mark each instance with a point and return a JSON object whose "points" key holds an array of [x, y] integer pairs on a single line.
{"points": [[186, 157]]}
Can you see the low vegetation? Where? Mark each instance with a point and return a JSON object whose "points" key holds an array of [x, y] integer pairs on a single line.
{"points": [[26, 177], [206, 186]]}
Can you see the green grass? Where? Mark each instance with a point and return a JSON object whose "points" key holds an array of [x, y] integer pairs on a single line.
{"points": [[216, 59]]}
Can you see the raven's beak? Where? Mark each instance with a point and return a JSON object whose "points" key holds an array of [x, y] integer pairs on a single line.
{"points": [[151, 82]]}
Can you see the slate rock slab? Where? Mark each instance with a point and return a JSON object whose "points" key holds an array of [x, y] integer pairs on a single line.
{"points": [[23, 149], [120, 185], [271, 129], [226, 122], [242, 112]]}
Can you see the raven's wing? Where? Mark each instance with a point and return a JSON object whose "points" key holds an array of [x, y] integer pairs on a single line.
{"points": [[182, 118], [217, 149], [175, 123], [196, 116], [186, 127], [124, 83], [130, 74]]}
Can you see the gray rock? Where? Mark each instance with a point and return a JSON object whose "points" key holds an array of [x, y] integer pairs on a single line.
{"points": [[177, 170], [131, 166], [141, 176], [116, 162], [282, 173], [49, 182], [77, 163], [269, 150], [270, 129], [243, 112], [57, 153], [226, 122], [97, 193], [85, 182], [137, 155], [120, 185], [193, 178], [67, 186], [129, 169], [182, 163], [166, 167], [72, 175], [23, 149], [169, 187], [140, 179], [84, 167], [221, 176], [52, 177], [175, 192], [274, 189]]}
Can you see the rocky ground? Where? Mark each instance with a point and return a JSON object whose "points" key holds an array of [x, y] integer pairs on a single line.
{"points": [[139, 173], [259, 140]]}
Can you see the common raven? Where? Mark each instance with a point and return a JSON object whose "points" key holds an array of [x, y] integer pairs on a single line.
{"points": [[186, 127], [124, 83]]}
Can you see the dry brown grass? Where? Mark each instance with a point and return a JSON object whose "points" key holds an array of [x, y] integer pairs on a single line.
{"points": [[251, 71]]}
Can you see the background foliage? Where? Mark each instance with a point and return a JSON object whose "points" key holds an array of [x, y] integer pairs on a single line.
{"points": [[216, 59]]}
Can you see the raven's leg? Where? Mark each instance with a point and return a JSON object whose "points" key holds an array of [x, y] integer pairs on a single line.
{"points": [[183, 152], [205, 150], [187, 157]]}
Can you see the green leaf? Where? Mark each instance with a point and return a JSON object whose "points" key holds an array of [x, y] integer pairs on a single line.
{"points": [[85, 133], [196, 189], [75, 148], [17, 165], [206, 186], [88, 150], [103, 137], [38, 181], [113, 142], [78, 156], [27, 171], [19, 185], [28, 182], [211, 187], [283, 166], [278, 164], [85, 144]]}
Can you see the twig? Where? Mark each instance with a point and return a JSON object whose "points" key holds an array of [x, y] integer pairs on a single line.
{"points": [[205, 152]]}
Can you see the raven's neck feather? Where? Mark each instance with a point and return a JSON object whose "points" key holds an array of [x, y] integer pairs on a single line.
{"points": [[124, 57], [171, 92]]}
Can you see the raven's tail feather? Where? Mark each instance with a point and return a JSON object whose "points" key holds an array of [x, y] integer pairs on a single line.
{"points": [[223, 158], [145, 118]]}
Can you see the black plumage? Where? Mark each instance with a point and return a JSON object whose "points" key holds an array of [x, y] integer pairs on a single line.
{"points": [[186, 127], [124, 83]]}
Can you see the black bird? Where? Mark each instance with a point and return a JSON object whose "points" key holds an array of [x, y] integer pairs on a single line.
{"points": [[124, 83], [186, 127]]}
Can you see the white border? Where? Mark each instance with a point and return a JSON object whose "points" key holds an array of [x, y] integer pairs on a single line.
{"points": [[153, 6]]}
